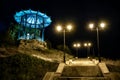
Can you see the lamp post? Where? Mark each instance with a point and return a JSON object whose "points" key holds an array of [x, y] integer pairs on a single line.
{"points": [[64, 29], [88, 45], [77, 45], [97, 28]]}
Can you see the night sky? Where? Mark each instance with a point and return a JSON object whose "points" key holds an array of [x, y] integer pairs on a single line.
{"points": [[77, 12]]}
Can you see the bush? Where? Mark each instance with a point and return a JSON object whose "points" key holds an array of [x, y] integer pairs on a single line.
{"points": [[24, 67]]}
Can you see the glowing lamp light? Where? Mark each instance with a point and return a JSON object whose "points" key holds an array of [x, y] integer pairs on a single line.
{"points": [[59, 28], [74, 45], [69, 27], [91, 26], [28, 34], [89, 44], [102, 25], [85, 44], [78, 45]]}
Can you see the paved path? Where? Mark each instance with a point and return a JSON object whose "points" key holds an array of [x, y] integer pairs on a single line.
{"points": [[81, 62]]}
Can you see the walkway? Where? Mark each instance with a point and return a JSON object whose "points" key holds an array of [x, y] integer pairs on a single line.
{"points": [[81, 62], [80, 69]]}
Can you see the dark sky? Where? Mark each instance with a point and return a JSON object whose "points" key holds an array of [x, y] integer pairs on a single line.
{"points": [[77, 12]]}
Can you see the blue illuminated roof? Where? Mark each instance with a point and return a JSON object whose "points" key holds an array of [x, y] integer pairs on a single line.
{"points": [[33, 19]]}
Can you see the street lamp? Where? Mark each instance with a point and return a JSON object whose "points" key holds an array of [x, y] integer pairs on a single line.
{"points": [[64, 29], [77, 45], [97, 28], [88, 45]]}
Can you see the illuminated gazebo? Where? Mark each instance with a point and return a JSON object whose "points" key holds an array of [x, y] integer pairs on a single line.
{"points": [[33, 24]]}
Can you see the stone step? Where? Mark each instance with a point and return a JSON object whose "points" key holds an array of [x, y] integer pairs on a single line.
{"points": [[82, 78], [81, 71]]}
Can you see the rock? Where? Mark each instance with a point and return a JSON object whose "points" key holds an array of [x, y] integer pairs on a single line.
{"points": [[32, 44]]}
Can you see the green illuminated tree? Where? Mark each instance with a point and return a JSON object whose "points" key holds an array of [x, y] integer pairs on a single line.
{"points": [[10, 36]]}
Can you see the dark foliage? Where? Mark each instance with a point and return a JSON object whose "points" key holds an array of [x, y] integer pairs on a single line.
{"points": [[24, 67]]}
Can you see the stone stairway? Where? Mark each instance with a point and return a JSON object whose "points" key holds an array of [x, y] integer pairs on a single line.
{"points": [[82, 69], [82, 78]]}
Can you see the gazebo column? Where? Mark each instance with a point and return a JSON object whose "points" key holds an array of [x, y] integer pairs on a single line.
{"points": [[43, 35], [24, 35]]}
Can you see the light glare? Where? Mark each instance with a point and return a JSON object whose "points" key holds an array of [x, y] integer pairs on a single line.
{"points": [[69, 27], [91, 26], [76, 45], [59, 28], [85, 44], [89, 44], [102, 25]]}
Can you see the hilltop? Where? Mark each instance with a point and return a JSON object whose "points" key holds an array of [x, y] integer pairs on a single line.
{"points": [[36, 49], [31, 60]]}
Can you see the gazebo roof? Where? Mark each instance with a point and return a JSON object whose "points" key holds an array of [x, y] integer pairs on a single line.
{"points": [[33, 19]]}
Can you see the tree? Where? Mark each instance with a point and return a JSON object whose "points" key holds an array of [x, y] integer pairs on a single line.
{"points": [[11, 34], [61, 47]]}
